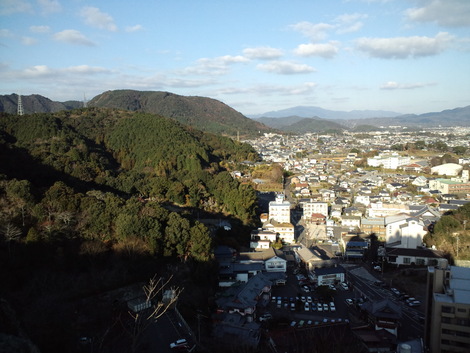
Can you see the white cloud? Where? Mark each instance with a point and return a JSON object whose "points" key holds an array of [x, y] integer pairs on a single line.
{"points": [[325, 50], [135, 28], [451, 13], [95, 18], [263, 53], [49, 6], [213, 66], [43, 71], [315, 32], [5, 33], [392, 85], [40, 29], [8, 7], [28, 41], [285, 68], [404, 47], [349, 23], [306, 87], [72, 36]]}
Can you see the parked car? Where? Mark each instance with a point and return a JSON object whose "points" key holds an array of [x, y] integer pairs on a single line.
{"points": [[292, 306], [395, 291], [349, 301], [325, 307], [179, 343], [332, 307], [414, 303], [307, 307], [306, 289], [344, 285], [332, 287], [309, 299], [265, 317], [319, 307]]}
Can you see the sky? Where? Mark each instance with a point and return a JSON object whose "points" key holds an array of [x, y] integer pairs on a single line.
{"points": [[406, 56]]}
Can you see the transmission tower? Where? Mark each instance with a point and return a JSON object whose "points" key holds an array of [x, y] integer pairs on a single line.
{"points": [[85, 102], [20, 110]]}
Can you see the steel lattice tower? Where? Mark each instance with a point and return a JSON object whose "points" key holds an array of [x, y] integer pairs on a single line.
{"points": [[20, 110]]}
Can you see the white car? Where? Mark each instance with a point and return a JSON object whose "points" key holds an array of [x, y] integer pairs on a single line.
{"points": [[344, 285], [307, 307], [319, 307], [309, 299], [349, 301], [332, 287], [332, 306]]}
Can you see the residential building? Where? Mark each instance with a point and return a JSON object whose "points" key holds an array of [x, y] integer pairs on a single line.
{"points": [[279, 210], [284, 230], [375, 226], [418, 257], [383, 315], [328, 275], [314, 207], [447, 325], [262, 239], [403, 231]]}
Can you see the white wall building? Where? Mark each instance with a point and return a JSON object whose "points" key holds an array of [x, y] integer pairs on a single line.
{"points": [[388, 161], [279, 210], [403, 231], [314, 207]]}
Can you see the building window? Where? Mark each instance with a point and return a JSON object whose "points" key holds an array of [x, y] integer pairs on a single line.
{"points": [[420, 262], [406, 260], [448, 309]]}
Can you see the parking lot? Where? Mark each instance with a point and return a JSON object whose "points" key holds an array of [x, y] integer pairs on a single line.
{"points": [[300, 303]]}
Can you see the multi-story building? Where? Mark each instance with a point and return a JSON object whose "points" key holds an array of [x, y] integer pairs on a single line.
{"points": [[447, 324], [279, 210], [374, 226], [388, 161], [314, 207], [447, 186]]}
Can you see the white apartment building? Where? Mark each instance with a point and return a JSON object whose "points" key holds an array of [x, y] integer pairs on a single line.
{"points": [[279, 210], [312, 207], [388, 161], [403, 231]]}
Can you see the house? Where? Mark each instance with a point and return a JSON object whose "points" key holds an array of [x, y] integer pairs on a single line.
{"points": [[243, 298], [262, 239], [317, 218], [284, 230], [418, 257], [352, 222], [236, 331], [306, 258], [383, 315], [273, 260], [328, 275]]}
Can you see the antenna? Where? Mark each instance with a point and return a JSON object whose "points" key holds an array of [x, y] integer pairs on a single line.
{"points": [[20, 110]]}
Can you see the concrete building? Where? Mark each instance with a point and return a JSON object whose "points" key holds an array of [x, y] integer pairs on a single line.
{"points": [[404, 232], [388, 161], [279, 210], [314, 207], [447, 325], [447, 186]]}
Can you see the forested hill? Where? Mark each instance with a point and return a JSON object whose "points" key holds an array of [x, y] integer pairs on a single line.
{"points": [[202, 113], [93, 199]]}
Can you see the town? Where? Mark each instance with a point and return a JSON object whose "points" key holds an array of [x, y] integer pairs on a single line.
{"points": [[342, 248]]}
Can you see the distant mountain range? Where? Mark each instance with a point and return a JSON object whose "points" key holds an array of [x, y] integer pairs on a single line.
{"points": [[213, 116], [310, 111], [314, 119]]}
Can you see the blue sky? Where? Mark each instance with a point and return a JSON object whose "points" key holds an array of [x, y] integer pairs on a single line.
{"points": [[408, 56]]}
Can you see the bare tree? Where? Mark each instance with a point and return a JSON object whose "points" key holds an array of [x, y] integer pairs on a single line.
{"points": [[10, 233], [153, 290]]}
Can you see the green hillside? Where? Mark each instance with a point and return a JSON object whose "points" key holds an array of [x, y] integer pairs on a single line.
{"points": [[201, 113]]}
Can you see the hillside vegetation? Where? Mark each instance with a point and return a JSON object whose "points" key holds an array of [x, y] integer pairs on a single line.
{"points": [[201, 113], [92, 199]]}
